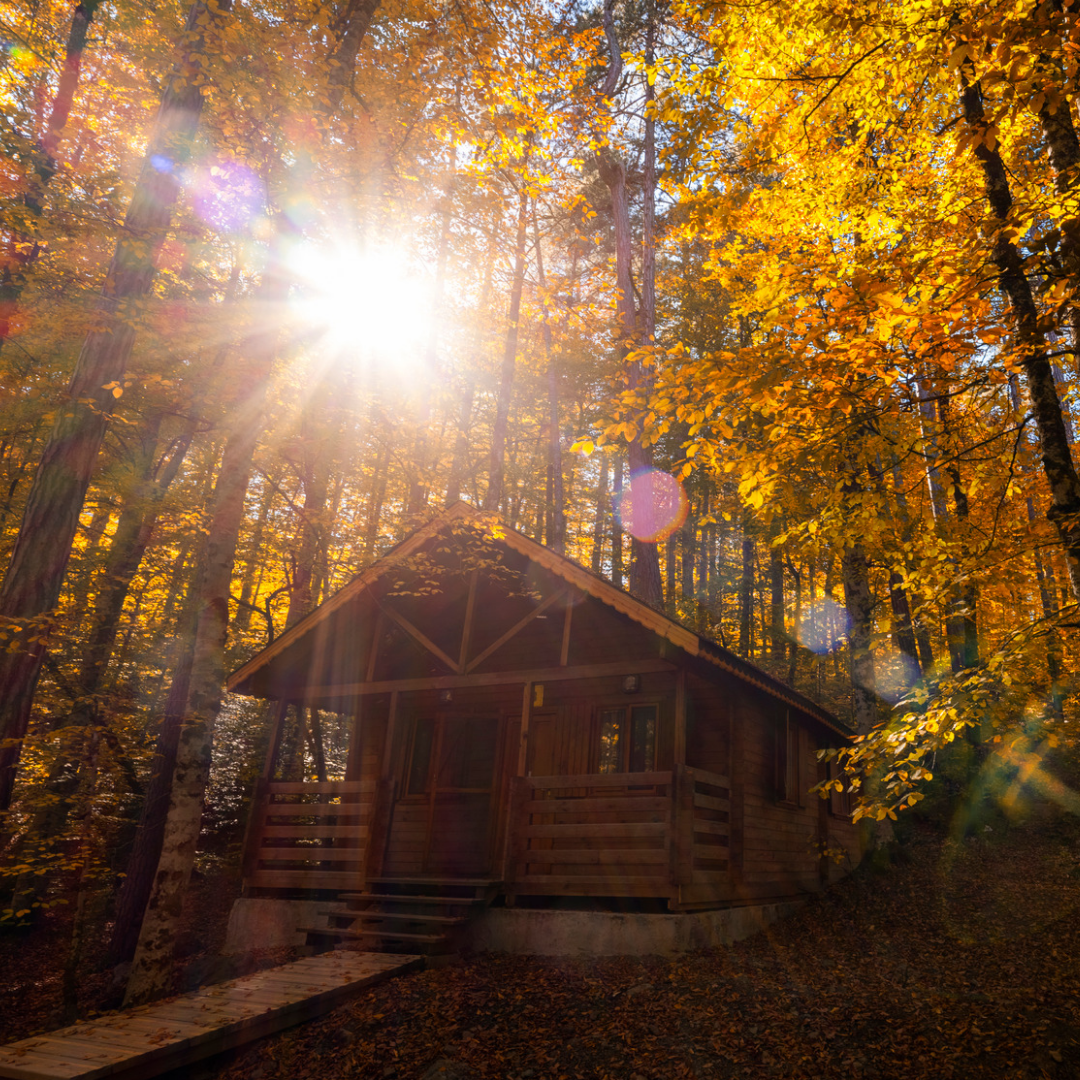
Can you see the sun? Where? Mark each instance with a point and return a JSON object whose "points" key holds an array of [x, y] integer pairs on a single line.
{"points": [[373, 304]]}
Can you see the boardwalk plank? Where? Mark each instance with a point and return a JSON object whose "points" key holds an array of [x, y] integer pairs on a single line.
{"points": [[152, 1039]]}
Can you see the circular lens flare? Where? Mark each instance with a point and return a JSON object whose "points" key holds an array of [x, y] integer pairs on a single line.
{"points": [[227, 195], [653, 506], [824, 626]]}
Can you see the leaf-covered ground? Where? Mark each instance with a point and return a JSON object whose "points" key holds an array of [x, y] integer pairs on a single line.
{"points": [[963, 962]]}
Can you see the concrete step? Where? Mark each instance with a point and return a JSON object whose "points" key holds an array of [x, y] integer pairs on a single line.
{"points": [[380, 935]]}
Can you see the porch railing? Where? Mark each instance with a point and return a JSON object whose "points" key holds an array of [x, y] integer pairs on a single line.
{"points": [[309, 835], [618, 834]]}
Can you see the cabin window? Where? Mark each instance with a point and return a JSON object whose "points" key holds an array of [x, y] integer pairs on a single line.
{"points": [[786, 764], [627, 739], [839, 801], [420, 757]]}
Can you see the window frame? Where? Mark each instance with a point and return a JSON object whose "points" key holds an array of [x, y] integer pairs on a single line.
{"points": [[625, 750], [839, 801], [787, 760]]}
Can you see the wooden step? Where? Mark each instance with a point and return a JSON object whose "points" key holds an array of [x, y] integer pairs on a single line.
{"points": [[412, 898], [449, 882], [390, 916]]}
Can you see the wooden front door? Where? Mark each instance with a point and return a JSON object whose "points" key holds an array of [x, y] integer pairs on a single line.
{"points": [[450, 782]]}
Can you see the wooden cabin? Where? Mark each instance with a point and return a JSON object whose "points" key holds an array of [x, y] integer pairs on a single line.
{"points": [[521, 727]]}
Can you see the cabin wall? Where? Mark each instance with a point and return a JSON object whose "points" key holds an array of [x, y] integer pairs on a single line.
{"points": [[562, 740], [782, 837]]}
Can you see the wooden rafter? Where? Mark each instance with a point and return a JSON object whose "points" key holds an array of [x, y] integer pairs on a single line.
{"points": [[419, 636], [515, 629], [466, 629]]}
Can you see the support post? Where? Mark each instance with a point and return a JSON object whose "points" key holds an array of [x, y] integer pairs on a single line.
{"points": [[391, 736], [379, 828], [678, 751], [736, 789], [568, 618], [682, 826], [520, 792], [523, 738]]}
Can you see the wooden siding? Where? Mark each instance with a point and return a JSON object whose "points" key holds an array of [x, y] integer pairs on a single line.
{"points": [[779, 841]]}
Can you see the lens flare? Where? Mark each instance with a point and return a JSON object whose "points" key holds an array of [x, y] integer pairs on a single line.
{"points": [[653, 506], [824, 626], [227, 196]]}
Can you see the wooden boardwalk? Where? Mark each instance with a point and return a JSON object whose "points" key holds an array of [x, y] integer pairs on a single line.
{"points": [[152, 1039]]}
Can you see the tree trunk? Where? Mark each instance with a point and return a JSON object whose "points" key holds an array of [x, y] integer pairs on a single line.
{"points": [[854, 570], [152, 965], [1030, 342], [556, 539], [688, 551], [254, 562], [746, 589], [146, 848], [602, 511], [468, 392], [378, 497], [32, 585], [617, 565], [497, 459], [645, 581], [421, 479], [13, 276], [777, 634]]}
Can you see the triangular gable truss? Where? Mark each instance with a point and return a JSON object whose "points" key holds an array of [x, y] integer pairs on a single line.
{"points": [[580, 582]]}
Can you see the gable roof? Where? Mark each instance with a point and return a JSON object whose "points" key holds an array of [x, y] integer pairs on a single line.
{"points": [[689, 641]]}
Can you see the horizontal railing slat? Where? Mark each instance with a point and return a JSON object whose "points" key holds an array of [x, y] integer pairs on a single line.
{"points": [[614, 830], [713, 828], [315, 832], [320, 787], [603, 804], [703, 776], [608, 857], [317, 810], [710, 802], [599, 780]]}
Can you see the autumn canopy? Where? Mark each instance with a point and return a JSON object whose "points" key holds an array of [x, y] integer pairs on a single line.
{"points": [[767, 313]]}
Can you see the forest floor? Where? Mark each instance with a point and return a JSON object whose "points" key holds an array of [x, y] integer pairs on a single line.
{"points": [[960, 960]]}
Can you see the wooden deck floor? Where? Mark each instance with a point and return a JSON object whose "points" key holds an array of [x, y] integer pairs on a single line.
{"points": [[152, 1039]]}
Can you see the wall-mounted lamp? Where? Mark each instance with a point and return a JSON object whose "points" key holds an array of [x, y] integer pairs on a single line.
{"points": [[538, 695], [631, 684], [445, 697]]}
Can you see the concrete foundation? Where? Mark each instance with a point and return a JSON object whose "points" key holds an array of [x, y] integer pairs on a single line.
{"points": [[270, 924], [601, 933]]}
